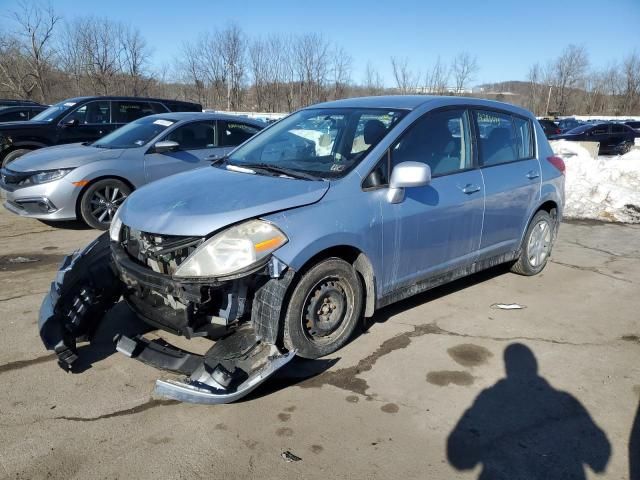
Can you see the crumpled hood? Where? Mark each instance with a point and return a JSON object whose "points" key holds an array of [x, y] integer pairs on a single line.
{"points": [[62, 156], [204, 200]]}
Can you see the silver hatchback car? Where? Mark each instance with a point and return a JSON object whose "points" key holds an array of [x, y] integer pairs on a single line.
{"points": [[89, 181], [320, 219]]}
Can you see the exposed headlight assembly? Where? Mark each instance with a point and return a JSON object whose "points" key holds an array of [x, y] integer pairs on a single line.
{"points": [[46, 176], [116, 225], [233, 250]]}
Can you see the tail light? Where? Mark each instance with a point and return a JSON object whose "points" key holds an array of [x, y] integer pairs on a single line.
{"points": [[558, 163]]}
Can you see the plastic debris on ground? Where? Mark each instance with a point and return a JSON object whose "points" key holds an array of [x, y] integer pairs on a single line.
{"points": [[508, 306], [290, 457], [606, 188]]}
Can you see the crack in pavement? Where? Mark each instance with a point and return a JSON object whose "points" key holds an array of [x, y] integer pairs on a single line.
{"points": [[26, 233], [19, 364], [148, 405], [590, 269], [602, 250], [22, 296]]}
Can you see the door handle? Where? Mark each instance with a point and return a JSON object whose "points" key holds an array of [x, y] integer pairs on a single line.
{"points": [[469, 188], [532, 174]]}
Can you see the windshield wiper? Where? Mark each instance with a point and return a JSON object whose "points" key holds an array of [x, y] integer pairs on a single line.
{"points": [[266, 167]]}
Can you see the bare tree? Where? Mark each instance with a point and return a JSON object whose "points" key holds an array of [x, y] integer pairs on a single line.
{"points": [[232, 45], [134, 60], [406, 80], [36, 24], [372, 80], [464, 67], [437, 78], [569, 71], [311, 57], [631, 79], [341, 63]]}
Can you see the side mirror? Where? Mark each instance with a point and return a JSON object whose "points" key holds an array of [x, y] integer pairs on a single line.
{"points": [[407, 175], [165, 146], [71, 123]]}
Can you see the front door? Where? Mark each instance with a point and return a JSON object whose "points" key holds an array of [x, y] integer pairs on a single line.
{"points": [[197, 145], [86, 123], [437, 227]]}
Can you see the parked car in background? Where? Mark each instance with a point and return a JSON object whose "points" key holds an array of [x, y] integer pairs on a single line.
{"points": [[635, 124], [567, 124], [20, 113], [78, 120], [614, 138], [11, 102], [549, 126], [325, 216], [91, 180]]}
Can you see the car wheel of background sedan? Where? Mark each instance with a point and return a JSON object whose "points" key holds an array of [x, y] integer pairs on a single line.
{"points": [[324, 309], [100, 201], [11, 156], [537, 244]]}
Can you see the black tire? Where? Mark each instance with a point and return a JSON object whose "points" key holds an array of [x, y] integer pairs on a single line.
{"points": [[100, 201], [536, 246], [324, 309], [11, 156]]}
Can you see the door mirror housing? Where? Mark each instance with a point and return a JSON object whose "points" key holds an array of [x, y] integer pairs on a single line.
{"points": [[407, 175], [165, 146]]}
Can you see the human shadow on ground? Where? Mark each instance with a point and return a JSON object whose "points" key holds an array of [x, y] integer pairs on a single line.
{"points": [[523, 428]]}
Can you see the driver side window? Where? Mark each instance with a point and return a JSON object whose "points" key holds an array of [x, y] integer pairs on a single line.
{"points": [[194, 136], [441, 139], [91, 113]]}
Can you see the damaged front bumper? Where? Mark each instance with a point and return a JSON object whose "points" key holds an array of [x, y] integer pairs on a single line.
{"points": [[91, 281]]}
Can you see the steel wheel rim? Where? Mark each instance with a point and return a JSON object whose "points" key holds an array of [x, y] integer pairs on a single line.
{"points": [[539, 243], [326, 308], [105, 202]]}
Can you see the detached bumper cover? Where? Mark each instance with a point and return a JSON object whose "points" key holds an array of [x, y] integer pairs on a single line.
{"points": [[88, 285]]}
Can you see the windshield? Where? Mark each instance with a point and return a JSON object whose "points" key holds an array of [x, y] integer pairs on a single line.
{"points": [[326, 142], [53, 112], [135, 134]]}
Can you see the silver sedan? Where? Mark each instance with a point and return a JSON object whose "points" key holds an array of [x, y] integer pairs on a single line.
{"points": [[90, 181]]}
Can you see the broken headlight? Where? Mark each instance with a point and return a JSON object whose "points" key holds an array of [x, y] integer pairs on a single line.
{"points": [[233, 250], [115, 227]]}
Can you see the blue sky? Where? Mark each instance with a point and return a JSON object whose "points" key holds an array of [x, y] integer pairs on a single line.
{"points": [[505, 36]]}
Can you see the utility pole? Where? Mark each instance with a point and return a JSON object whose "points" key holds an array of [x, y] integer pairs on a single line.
{"points": [[546, 113]]}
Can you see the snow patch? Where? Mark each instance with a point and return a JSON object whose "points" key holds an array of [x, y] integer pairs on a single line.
{"points": [[606, 188]]}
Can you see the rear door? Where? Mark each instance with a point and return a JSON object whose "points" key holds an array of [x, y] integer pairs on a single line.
{"points": [[511, 175], [86, 123], [437, 227], [198, 145]]}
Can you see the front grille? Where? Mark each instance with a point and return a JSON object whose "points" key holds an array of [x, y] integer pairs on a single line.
{"points": [[9, 177], [160, 253]]}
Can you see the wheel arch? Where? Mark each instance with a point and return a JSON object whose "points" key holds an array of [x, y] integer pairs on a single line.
{"points": [[97, 179], [361, 264]]}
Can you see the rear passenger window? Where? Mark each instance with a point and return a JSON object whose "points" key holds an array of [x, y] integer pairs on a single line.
{"points": [[497, 142], [126, 111], [524, 138], [235, 133], [440, 139]]}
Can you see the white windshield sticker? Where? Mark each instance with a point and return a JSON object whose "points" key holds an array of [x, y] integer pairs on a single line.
{"points": [[164, 123], [69, 104]]}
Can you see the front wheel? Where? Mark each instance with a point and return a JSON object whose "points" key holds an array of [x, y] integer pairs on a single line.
{"points": [[100, 201], [537, 244], [324, 309]]}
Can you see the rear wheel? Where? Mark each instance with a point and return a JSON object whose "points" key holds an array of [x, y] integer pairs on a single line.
{"points": [[324, 309], [11, 156], [100, 201], [537, 244]]}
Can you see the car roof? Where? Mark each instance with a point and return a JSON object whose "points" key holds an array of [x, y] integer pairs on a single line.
{"points": [[412, 102], [182, 116], [118, 97]]}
